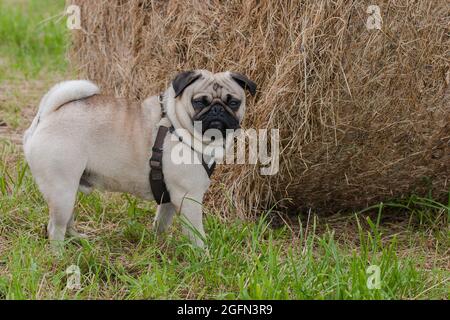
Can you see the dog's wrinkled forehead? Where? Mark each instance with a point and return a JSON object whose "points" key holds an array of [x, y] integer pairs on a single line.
{"points": [[216, 84]]}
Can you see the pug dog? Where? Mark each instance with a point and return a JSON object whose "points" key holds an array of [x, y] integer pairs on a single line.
{"points": [[81, 140]]}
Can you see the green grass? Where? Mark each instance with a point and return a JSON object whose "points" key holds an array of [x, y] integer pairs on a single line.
{"points": [[309, 258], [32, 38], [123, 259], [33, 43]]}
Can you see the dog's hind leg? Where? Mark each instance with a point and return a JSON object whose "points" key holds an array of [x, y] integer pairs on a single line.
{"points": [[164, 217], [57, 168], [86, 188], [71, 229], [60, 205]]}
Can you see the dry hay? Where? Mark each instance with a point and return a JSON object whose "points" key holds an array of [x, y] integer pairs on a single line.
{"points": [[363, 114]]}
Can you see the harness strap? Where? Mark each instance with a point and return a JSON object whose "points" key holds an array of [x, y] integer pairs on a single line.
{"points": [[157, 184], [209, 169]]}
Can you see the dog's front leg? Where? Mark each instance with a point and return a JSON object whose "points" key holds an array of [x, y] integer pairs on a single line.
{"points": [[164, 217], [192, 219]]}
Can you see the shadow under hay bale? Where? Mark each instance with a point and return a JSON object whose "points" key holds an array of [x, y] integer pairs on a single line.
{"points": [[364, 115]]}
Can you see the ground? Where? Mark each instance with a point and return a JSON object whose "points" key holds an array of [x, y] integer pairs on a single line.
{"points": [[272, 257]]}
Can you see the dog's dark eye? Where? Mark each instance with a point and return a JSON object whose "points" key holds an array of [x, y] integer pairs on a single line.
{"points": [[199, 103], [234, 103]]}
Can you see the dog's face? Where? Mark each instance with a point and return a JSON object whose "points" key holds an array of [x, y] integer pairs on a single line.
{"points": [[216, 100]]}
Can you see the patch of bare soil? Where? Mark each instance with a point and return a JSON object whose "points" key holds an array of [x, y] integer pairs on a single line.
{"points": [[18, 105]]}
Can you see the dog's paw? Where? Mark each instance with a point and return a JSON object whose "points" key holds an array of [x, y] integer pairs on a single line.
{"points": [[71, 232], [57, 248]]}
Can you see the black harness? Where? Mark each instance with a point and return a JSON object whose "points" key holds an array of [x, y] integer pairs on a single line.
{"points": [[157, 184]]}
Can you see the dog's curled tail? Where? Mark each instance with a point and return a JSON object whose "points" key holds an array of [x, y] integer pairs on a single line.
{"points": [[59, 95]]}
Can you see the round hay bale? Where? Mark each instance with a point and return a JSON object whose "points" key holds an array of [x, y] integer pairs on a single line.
{"points": [[363, 114]]}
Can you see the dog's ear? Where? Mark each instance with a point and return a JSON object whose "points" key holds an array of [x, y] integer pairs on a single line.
{"points": [[182, 80], [244, 82]]}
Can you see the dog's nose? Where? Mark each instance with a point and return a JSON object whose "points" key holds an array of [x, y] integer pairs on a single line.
{"points": [[216, 109]]}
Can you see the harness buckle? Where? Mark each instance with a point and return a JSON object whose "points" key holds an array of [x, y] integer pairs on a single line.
{"points": [[156, 164]]}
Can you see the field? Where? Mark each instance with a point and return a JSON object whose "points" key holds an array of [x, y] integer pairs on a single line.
{"points": [[306, 256]]}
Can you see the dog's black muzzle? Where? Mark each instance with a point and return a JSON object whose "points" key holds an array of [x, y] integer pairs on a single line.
{"points": [[217, 116]]}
